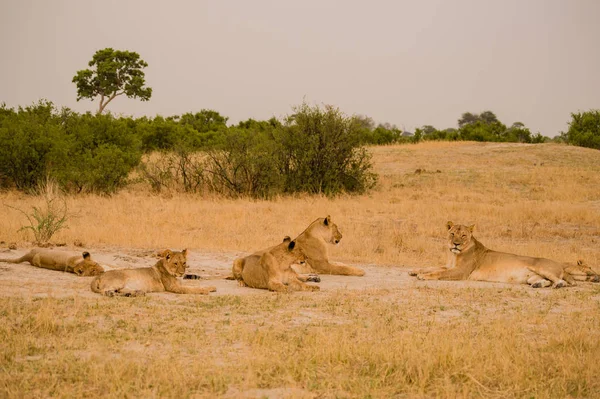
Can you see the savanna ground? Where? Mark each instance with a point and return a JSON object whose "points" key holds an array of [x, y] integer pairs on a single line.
{"points": [[382, 335]]}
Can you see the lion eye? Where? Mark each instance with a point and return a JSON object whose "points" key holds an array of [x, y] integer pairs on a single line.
{"points": [[464, 236]]}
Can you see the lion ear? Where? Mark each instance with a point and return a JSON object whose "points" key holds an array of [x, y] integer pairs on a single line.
{"points": [[579, 262], [167, 253], [287, 239], [86, 255], [471, 228], [327, 220], [184, 252], [449, 225], [291, 245]]}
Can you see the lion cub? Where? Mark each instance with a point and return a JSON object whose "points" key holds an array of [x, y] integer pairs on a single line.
{"points": [[81, 265], [158, 278], [271, 269]]}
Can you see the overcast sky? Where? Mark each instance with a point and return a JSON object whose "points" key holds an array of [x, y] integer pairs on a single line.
{"points": [[408, 63]]}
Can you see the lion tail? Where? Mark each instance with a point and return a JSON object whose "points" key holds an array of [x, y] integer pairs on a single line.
{"points": [[17, 260]]}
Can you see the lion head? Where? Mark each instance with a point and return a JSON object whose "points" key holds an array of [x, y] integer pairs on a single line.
{"points": [[335, 234], [295, 250], [459, 237], [175, 263], [87, 266], [583, 271]]}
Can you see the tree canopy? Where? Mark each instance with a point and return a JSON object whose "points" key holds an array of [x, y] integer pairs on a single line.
{"points": [[112, 73], [584, 129]]}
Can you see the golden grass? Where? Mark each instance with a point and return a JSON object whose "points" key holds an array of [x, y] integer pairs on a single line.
{"points": [[422, 343], [428, 341], [541, 200]]}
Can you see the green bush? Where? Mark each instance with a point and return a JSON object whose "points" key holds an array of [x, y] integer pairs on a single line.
{"points": [[244, 163], [584, 129], [321, 152], [30, 141], [81, 152]]}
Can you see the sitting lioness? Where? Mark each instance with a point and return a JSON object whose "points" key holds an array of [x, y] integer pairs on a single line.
{"points": [[81, 265], [158, 278], [314, 242], [271, 269], [471, 260]]}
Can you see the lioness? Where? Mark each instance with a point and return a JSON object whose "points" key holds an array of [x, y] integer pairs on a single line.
{"points": [[314, 242], [471, 260], [240, 263], [158, 278], [62, 261], [271, 269]]}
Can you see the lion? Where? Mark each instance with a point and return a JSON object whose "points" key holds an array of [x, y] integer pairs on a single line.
{"points": [[314, 240], [469, 259], [239, 264], [81, 265], [271, 268], [158, 278]]}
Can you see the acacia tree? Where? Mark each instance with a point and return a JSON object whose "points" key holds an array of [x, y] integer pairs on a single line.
{"points": [[113, 73]]}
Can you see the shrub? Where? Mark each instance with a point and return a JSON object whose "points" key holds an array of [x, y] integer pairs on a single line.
{"points": [[30, 139], [178, 170], [584, 129], [81, 152], [321, 152], [244, 164], [44, 221]]}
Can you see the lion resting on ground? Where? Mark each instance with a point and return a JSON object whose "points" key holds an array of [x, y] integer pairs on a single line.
{"points": [[81, 265], [314, 242], [471, 260], [271, 269], [158, 278]]}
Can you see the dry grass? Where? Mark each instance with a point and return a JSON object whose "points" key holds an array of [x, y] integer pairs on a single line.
{"points": [[438, 340], [532, 199]]}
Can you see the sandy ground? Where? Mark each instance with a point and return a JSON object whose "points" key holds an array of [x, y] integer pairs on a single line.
{"points": [[26, 280]]}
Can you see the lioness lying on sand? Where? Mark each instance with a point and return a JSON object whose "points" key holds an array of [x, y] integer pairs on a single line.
{"points": [[81, 265], [471, 260], [158, 278], [271, 269], [314, 242]]}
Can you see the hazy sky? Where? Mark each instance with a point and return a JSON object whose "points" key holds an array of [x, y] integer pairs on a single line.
{"points": [[408, 63]]}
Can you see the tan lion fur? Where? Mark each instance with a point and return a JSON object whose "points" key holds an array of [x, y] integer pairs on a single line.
{"points": [[314, 242], [81, 265], [271, 268], [469, 259], [158, 278]]}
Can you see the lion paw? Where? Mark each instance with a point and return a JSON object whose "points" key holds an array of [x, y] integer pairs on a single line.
{"points": [[314, 278], [191, 277], [412, 273], [595, 279], [560, 284], [537, 285], [313, 288], [211, 289], [134, 293]]}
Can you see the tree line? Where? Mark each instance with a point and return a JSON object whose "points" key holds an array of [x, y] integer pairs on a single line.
{"points": [[315, 149]]}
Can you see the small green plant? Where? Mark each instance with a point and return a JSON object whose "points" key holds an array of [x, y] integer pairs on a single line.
{"points": [[50, 217]]}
